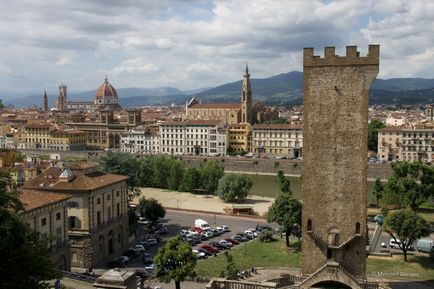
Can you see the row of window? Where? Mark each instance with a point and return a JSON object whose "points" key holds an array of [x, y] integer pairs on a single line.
{"points": [[44, 220]]}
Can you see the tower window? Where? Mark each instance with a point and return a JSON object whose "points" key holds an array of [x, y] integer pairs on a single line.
{"points": [[357, 228], [329, 253], [309, 225]]}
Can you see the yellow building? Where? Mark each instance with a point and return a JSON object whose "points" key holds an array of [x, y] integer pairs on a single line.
{"points": [[46, 213], [239, 137], [282, 140], [48, 137]]}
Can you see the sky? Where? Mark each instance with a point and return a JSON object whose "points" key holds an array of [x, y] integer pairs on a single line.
{"points": [[191, 44]]}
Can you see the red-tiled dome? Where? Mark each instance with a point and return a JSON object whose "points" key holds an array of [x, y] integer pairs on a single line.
{"points": [[106, 91]]}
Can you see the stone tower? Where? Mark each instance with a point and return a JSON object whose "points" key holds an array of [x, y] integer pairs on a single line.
{"points": [[62, 101], [45, 101], [335, 133], [246, 98]]}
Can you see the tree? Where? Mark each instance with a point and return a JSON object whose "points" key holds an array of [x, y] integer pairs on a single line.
{"points": [[210, 176], [1, 104], [373, 128], [175, 261], [191, 181], [284, 183], [285, 211], [230, 267], [122, 164], [407, 226], [410, 185], [377, 190], [175, 174], [24, 262], [234, 187], [151, 209]]}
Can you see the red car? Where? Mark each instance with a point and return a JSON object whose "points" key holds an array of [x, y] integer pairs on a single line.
{"points": [[234, 242], [198, 230], [210, 249]]}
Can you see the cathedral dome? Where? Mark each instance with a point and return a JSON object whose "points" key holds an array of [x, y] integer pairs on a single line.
{"points": [[106, 91]]}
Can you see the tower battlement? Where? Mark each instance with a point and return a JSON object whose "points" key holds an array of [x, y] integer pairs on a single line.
{"points": [[331, 59]]}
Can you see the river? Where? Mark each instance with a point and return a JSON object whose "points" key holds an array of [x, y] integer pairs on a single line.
{"points": [[267, 186]]}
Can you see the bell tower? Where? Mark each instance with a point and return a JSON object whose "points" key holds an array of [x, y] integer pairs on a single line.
{"points": [[246, 98]]}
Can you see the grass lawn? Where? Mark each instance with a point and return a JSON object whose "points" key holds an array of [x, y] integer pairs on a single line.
{"points": [[275, 254], [417, 267], [251, 254]]}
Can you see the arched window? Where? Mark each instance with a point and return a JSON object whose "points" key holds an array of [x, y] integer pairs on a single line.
{"points": [[309, 225], [244, 96], [357, 228], [329, 253], [333, 237]]}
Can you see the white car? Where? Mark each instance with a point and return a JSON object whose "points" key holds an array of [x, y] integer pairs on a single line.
{"points": [[251, 233], [138, 248], [224, 228], [199, 255], [226, 243]]}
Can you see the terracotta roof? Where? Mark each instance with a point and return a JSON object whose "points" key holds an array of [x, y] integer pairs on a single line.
{"points": [[216, 105], [203, 122], [106, 90], [38, 125], [33, 199], [391, 128], [276, 126], [83, 181]]}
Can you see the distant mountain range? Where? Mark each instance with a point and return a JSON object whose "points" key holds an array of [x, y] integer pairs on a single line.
{"points": [[282, 89]]}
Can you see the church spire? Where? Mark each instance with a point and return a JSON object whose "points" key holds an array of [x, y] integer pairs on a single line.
{"points": [[246, 71], [45, 101]]}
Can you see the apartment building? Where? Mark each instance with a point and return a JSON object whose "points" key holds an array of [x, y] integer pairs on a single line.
{"points": [[97, 211], [406, 144], [48, 137], [195, 137], [46, 213], [141, 141], [239, 137], [283, 140]]}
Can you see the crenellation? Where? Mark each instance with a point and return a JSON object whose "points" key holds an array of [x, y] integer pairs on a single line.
{"points": [[352, 57]]}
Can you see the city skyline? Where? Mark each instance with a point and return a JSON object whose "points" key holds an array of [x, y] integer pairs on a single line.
{"points": [[194, 44]]}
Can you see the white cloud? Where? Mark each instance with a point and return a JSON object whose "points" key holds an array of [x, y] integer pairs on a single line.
{"points": [[190, 44]]}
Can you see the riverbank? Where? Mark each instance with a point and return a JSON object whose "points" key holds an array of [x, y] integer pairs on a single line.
{"points": [[193, 202]]}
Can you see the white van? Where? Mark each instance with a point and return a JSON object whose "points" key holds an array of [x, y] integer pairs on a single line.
{"points": [[201, 224], [425, 245]]}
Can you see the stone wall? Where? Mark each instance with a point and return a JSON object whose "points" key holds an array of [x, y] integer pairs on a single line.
{"points": [[272, 166]]}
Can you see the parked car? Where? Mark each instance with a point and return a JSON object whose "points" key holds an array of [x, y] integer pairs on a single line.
{"points": [[210, 249], [161, 231], [251, 234], [226, 244], [130, 253], [138, 248], [206, 252], [197, 230], [200, 255], [239, 238], [247, 236], [223, 228], [147, 259], [120, 262], [152, 242], [183, 232], [217, 245], [233, 241], [259, 228], [143, 273], [425, 245]]}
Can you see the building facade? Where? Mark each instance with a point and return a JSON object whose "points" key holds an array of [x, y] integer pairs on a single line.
{"points": [[204, 138], [406, 144], [240, 137], [97, 211], [46, 213], [145, 140], [47, 137], [282, 140]]}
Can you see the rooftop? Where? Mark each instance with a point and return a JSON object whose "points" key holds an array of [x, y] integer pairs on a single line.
{"points": [[33, 199]]}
